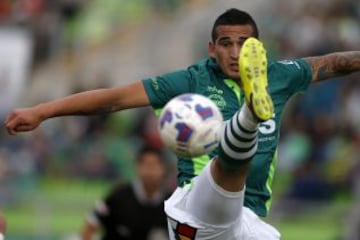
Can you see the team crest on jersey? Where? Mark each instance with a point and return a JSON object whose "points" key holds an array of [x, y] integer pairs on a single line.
{"points": [[184, 232]]}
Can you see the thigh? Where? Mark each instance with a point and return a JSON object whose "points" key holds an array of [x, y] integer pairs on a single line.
{"points": [[212, 204], [202, 210]]}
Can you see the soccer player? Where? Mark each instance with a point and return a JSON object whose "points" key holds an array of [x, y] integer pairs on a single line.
{"points": [[222, 195], [134, 211]]}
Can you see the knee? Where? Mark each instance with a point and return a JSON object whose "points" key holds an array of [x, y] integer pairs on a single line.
{"points": [[232, 164]]}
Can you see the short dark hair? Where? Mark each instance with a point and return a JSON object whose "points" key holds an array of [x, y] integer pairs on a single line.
{"points": [[145, 149], [234, 16]]}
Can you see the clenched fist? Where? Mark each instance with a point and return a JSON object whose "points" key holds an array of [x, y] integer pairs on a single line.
{"points": [[23, 119]]}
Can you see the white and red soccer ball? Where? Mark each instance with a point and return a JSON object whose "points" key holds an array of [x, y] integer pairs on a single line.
{"points": [[190, 125]]}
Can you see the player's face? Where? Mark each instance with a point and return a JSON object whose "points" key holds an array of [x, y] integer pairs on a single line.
{"points": [[227, 46], [151, 170]]}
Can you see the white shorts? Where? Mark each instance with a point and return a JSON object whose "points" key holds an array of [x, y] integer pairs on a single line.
{"points": [[189, 223]]}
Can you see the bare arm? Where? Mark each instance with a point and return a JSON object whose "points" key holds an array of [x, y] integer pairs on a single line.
{"points": [[97, 101], [85, 103], [334, 64]]}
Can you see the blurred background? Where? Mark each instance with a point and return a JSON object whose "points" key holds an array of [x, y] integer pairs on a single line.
{"points": [[50, 178]]}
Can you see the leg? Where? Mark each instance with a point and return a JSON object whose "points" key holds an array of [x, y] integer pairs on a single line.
{"points": [[237, 147], [219, 187], [217, 194], [239, 143], [212, 205]]}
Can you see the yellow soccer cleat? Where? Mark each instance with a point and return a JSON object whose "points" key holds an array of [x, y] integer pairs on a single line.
{"points": [[253, 74]]}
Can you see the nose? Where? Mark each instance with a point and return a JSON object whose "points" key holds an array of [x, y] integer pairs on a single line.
{"points": [[235, 51]]}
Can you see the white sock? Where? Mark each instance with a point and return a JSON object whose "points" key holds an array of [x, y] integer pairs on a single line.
{"points": [[246, 118], [239, 139]]}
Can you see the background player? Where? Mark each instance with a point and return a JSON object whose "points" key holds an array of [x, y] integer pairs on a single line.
{"points": [[134, 210]]}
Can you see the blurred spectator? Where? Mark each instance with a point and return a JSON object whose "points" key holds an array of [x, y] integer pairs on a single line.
{"points": [[5, 9], [134, 211], [309, 184], [165, 6]]}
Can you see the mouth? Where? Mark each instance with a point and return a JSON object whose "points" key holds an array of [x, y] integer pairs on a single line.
{"points": [[234, 67]]}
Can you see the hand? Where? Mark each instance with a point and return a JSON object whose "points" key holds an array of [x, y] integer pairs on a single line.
{"points": [[22, 120]]}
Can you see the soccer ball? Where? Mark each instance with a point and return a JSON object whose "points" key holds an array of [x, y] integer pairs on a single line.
{"points": [[190, 125]]}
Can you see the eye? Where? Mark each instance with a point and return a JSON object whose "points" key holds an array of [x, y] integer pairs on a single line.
{"points": [[225, 43]]}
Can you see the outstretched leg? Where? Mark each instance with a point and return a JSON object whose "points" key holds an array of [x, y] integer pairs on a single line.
{"points": [[239, 141], [218, 192]]}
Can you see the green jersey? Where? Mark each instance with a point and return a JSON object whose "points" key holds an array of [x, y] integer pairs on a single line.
{"points": [[285, 78]]}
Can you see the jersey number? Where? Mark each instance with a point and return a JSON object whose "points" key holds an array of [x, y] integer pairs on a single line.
{"points": [[267, 127]]}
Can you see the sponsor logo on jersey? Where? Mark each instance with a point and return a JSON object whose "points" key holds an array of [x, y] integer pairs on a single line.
{"points": [[155, 84], [216, 95]]}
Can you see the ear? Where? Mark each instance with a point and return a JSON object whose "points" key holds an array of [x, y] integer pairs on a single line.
{"points": [[211, 49]]}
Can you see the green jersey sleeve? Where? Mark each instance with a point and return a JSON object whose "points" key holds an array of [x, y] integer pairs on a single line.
{"points": [[162, 88], [295, 75]]}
